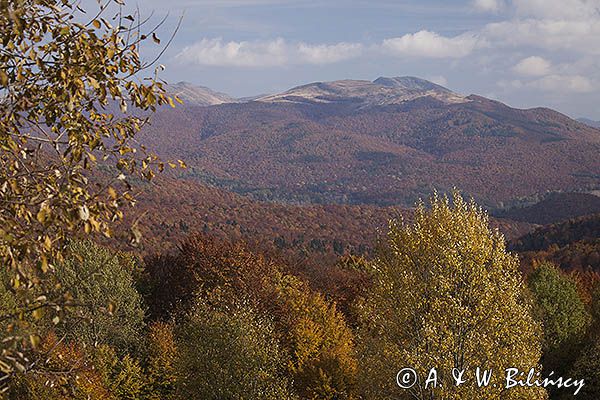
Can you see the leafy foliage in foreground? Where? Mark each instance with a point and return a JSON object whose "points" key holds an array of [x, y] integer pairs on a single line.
{"points": [[313, 333], [224, 321], [447, 294], [562, 314], [101, 284], [238, 353], [61, 74]]}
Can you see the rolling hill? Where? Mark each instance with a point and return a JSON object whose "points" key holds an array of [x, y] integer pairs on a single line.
{"points": [[589, 122], [386, 142], [572, 244], [171, 209], [554, 208]]}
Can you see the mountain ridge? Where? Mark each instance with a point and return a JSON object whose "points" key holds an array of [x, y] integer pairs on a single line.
{"points": [[350, 152], [589, 122], [381, 91], [198, 95]]}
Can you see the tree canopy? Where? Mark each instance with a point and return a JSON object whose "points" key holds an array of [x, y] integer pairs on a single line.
{"points": [[447, 295]]}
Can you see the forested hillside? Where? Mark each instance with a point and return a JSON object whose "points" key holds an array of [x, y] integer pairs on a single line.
{"points": [[554, 208], [173, 209], [343, 152], [574, 244]]}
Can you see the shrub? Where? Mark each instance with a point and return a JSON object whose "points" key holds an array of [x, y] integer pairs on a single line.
{"points": [[562, 314], [162, 356]]}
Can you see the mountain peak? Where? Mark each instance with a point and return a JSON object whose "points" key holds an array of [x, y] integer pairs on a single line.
{"points": [[589, 122], [382, 91], [198, 95], [409, 83]]}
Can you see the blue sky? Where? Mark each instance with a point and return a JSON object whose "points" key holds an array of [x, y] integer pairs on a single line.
{"points": [[526, 53]]}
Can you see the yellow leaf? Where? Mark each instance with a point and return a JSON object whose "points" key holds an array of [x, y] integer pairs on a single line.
{"points": [[3, 78], [95, 224], [34, 339], [37, 314], [44, 264], [94, 83], [42, 215]]}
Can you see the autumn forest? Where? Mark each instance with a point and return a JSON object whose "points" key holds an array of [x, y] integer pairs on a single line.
{"points": [[348, 240]]}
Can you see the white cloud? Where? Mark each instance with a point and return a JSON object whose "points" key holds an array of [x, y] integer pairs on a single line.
{"points": [[578, 35], [215, 52], [556, 9], [564, 83], [431, 45], [488, 5], [533, 66], [555, 25], [326, 54], [269, 53], [513, 84]]}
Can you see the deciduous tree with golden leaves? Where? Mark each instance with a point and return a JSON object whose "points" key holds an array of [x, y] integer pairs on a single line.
{"points": [[64, 75], [447, 295]]}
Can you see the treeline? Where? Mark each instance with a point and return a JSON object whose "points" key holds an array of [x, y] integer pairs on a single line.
{"points": [[553, 208], [574, 245], [220, 320], [326, 230], [321, 231]]}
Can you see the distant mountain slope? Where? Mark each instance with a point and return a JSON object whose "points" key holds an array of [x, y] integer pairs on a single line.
{"points": [[355, 153], [198, 95], [555, 207], [171, 209], [382, 91], [573, 244], [561, 234], [592, 123]]}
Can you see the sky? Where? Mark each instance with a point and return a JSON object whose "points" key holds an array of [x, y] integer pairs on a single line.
{"points": [[526, 53]]}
